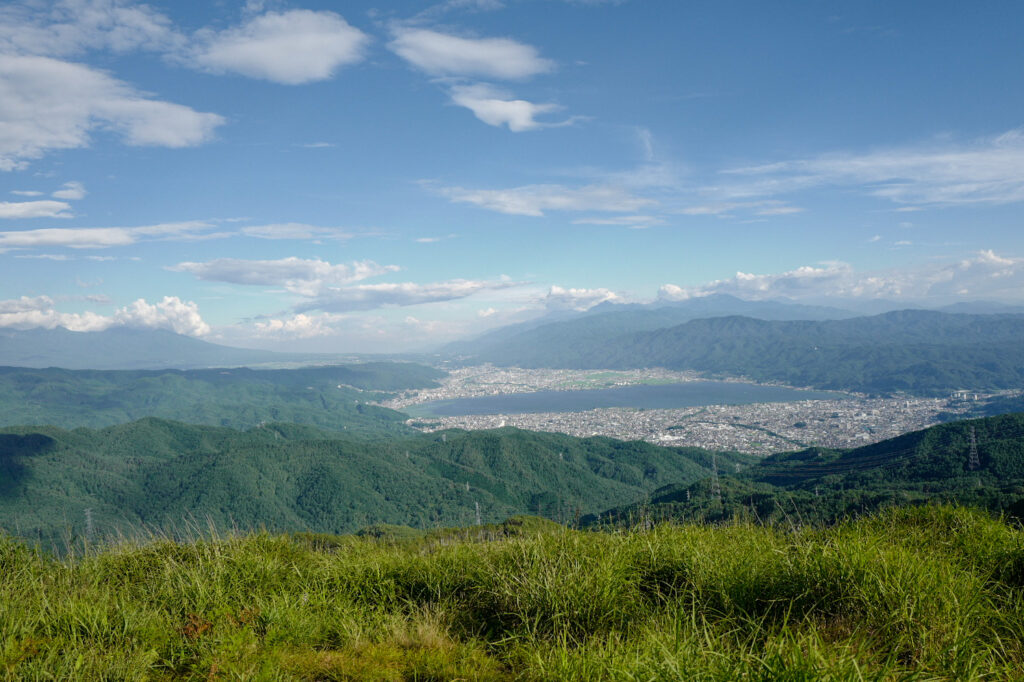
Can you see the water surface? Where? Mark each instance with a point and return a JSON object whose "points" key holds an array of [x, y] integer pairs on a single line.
{"points": [[649, 396]]}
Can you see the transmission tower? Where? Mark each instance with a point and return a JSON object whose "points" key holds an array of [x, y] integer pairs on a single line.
{"points": [[973, 462]]}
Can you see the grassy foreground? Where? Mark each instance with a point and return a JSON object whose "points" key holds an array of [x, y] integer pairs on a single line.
{"points": [[926, 593]]}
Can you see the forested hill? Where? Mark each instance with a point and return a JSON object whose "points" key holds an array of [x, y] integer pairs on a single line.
{"points": [[331, 397], [910, 350], [819, 485], [287, 477]]}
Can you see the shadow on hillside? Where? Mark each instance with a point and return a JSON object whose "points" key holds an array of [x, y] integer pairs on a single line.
{"points": [[13, 449]]}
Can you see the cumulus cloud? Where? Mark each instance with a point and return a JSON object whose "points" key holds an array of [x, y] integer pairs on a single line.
{"points": [[171, 313], [70, 191], [372, 296], [300, 326], [534, 200], [443, 54], [984, 274], [561, 298], [181, 317], [97, 237], [497, 108], [300, 276], [293, 47], [34, 209], [47, 105], [984, 171]]}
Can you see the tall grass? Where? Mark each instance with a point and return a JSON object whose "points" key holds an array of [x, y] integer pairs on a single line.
{"points": [[932, 593]]}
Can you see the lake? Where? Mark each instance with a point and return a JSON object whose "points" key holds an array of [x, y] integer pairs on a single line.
{"points": [[649, 396]]}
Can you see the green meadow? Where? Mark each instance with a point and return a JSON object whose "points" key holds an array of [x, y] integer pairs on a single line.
{"points": [[926, 593]]}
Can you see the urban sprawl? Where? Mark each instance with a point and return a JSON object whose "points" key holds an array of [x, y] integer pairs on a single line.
{"points": [[761, 428]]}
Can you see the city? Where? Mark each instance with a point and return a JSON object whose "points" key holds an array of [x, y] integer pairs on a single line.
{"points": [[762, 428]]}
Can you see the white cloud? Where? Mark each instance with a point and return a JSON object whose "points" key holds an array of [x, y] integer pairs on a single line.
{"points": [[69, 27], [97, 237], [984, 171], [297, 275], [636, 221], [70, 191], [300, 326], [181, 317], [371, 296], [171, 313], [443, 54], [726, 209], [45, 256], [560, 298], [27, 193], [48, 105], [294, 231], [293, 47], [34, 209], [982, 275], [533, 200], [495, 108]]}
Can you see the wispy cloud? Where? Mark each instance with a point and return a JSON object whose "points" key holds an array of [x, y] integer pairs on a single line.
{"points": [[635, 221], [307, 277], [983, 171], [499, 108], [295, 231], [984, 274], [98, 237], [34, 209], [372, 296], [534, 200], [444, 54], [69, 27], [70, 191]]}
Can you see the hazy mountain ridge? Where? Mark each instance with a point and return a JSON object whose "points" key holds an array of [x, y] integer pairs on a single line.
{"points": [[910, 350]]}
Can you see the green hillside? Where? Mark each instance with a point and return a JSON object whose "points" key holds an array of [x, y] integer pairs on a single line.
{"points": [[329, 397], [818, 485], [910, 350], [912, 594], [163, 474]]}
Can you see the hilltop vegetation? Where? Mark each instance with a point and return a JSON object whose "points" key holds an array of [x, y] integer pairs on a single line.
{"points": [[911, 350], [329, 397], [934, 593], [162, 474], [817, 485]]}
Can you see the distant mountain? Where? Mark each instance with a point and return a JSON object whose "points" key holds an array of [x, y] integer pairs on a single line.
{"points": [[609, 320], [938, 464], [121, 348], [910, 350], [287, 477], [983, 308]]}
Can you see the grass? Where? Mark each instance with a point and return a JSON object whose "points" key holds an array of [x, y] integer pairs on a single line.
{"points": [[924, 594]]}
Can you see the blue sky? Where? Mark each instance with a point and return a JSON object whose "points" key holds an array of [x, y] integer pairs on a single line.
{"points": [[388, 176]]}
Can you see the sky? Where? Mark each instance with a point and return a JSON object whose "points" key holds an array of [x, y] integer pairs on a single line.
{"points": [[382, 177]]}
